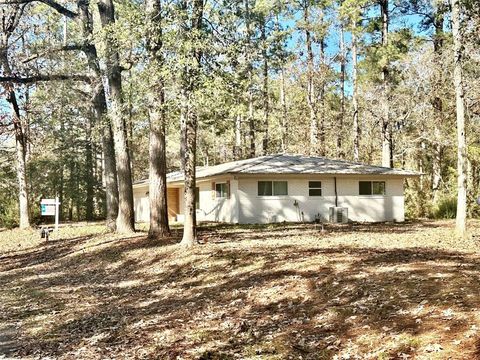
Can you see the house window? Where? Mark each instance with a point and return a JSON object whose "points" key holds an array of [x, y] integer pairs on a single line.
{"points": [[272, 188], [221, 190], [315, 188], [197, 198], [371, 187]]}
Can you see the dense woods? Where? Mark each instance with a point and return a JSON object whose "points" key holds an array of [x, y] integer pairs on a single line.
{"points": [[99, 94]]}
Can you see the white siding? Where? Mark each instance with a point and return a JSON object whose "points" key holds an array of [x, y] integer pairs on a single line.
{"points": [[264, 209], [141, 204], [211, 208], [372, 207], [245, 206], [256, 209]]}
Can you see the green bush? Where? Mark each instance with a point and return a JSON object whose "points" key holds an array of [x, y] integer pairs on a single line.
{"points": [[9, 213], [446, 208]]}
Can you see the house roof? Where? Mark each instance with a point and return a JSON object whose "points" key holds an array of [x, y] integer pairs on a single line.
{"points": [[289, 164]]}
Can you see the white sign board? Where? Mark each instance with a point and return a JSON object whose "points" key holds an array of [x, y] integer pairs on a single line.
{"points": [[47, 209], [50, 207]]}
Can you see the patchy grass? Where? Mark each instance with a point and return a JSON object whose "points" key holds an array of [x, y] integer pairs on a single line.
{"points": [[284, 291]]}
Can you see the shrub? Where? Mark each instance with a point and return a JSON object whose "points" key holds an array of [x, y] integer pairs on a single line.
{"points": [[9, 213], [446, 208]]}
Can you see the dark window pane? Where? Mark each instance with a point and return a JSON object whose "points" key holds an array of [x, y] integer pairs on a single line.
{"points": [[378, 188], [280, 188], [197, 198], [264, 188], [315, 192], [221, 190], [315, 184], [365, 188]]}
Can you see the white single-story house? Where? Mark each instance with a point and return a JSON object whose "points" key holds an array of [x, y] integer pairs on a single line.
{"points": [[290, 188]]}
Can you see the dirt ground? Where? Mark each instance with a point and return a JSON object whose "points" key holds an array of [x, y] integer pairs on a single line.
{"points": [[284, 291]]}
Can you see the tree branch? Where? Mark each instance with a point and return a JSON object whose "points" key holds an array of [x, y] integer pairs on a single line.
{"points": [[72, 47], [40, 78], [53, 4]]}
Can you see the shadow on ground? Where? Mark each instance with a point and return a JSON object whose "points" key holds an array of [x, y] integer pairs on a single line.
{"points": [[235, 298]]}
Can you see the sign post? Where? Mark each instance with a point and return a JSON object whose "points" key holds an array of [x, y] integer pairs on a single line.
{"points": [[51, 207]]}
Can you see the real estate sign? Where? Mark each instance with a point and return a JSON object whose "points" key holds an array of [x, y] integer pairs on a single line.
{"points": [[51, 207], [47, 207]]}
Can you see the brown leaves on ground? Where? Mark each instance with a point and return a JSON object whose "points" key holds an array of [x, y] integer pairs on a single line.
{"points": [[384, 291]]}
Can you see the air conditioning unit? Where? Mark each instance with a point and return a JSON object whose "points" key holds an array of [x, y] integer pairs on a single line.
{"points": [[338, 215]]}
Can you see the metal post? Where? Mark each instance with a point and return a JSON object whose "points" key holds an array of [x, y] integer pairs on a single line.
{"points": [[57, 212]]}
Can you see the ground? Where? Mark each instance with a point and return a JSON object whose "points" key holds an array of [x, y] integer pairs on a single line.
{"points": [[285, 291]]}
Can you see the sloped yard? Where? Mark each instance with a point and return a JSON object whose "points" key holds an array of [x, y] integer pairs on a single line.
{"points": [[386, 291]]}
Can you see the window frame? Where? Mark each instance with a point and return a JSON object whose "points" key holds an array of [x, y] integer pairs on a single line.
{"points": [[372, 187], [197, 197], [272, 186], [224, 184], [315, 188]]}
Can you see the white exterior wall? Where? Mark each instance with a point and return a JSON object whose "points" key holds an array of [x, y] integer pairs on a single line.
{"points": [[372, 207], [212, 209], [265, 209], [141, 204], [258, 209], [245, 206]]}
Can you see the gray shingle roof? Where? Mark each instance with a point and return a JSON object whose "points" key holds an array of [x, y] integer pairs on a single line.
{"points": [[290, 164]]}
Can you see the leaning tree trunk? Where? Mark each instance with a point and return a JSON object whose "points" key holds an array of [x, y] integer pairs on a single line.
{"points": [[157, 149], [125, 218], [189, 113], [99, 104], [460, 105]]}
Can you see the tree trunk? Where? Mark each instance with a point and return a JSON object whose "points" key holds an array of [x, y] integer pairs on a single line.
{"points": [[341, 118], [310, 85], [266, 104], [387, 140], [460, 106], [125, 218], [157, 148], [283, 103], [189, 85], [251, 106], [321, 122], [89, 205], [21, 152], [99, 104], [189, 161], [20, 138], [237, 150], [356, 125], [437, 103]]}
